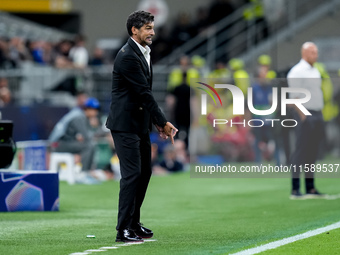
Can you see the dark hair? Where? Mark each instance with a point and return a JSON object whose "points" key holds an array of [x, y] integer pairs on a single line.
{"points": [[138, 19]]}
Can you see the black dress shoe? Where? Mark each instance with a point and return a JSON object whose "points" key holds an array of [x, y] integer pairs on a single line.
{"points": [[313, 193], [296, 195], [142, 232], [127, 235]]}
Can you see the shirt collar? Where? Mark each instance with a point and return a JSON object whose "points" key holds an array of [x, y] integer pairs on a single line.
{"points": [[144, 50], [305, 63]]}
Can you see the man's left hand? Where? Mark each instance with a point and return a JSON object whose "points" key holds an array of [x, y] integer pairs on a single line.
{"points": [[167, 130]]}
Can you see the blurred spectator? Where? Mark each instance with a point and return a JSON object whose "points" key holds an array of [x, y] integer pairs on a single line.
{"points": [[182, 109], [239, 74], [181, 151], [311, 130], [5, 93], [256, 14], [201, 21], [81, 98], [220, 72], [160, 143], [5, 61], [97, 58], [73, 133], [156, 168], [71, 57], [186, 70], [262, 100], [154, 154], [330, 109], [180, 76], [49, 52], [5, 97], [37, 52], [3, 82], [220, 9], [170, 162], [266, 60], [275, 10], [78, 53], [182, 31], [18, 51], [234, 142], [62, 59], [160, 45]]}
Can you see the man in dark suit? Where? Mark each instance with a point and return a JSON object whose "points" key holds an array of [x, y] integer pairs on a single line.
{"points": [[133, 110]]}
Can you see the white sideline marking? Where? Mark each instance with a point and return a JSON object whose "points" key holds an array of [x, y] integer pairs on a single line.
{"points": [[150, 240], [128, 244], [332, 197], [288, 240], [110, 247]]}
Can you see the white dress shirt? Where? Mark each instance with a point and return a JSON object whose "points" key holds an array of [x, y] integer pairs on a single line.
{"points": [[79, 56], [303, 75], [145, 51]]}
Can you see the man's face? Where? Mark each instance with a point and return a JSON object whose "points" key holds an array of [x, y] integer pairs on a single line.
{"points": [[91, 113], [144, 35], [311, 54], [92, 116]]}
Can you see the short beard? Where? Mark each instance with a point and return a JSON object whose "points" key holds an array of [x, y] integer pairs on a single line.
{"points": [[148, 43]]}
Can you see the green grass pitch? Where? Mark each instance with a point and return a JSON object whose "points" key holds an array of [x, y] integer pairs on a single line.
{"points": [[188, 216]]}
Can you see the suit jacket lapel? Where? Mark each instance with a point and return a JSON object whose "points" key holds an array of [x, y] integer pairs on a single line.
{"points": [[151, 74], [140, 54]]}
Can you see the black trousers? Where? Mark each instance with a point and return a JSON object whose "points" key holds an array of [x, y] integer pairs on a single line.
{"points": [[134, 153], [309, 135]]}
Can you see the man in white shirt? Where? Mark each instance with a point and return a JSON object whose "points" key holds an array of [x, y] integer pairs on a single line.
{"points": [[79, 54], [310, 130]]}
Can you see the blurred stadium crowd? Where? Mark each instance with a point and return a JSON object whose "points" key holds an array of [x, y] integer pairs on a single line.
{"points": [[73, 53], [232, 144]]}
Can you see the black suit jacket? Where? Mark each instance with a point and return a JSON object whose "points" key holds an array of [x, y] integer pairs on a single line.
{"points": [[133, 106]]}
